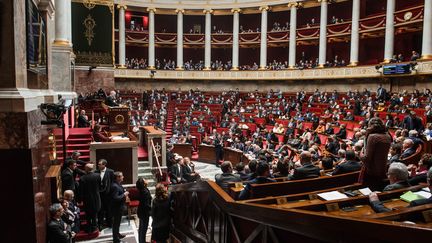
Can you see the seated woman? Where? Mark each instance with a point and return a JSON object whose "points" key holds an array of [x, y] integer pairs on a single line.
{"points": [[100, 136], [321, 127]]}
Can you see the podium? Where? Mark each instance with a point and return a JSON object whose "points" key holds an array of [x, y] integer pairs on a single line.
{"points": [[159, 142], [118, 119]]}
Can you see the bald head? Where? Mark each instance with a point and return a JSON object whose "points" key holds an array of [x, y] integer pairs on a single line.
{"points": [[305, 157], [68, 195], [89, 167]]}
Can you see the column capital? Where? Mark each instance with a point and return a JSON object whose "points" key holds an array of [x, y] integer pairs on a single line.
{"points": [[179, 11], [235, 10], [151, 10], [264, 8], [206, 11], [295, 5], [121, 6]]}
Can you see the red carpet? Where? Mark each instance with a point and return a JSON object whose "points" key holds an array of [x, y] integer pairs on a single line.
{"points": [[142, 153]]}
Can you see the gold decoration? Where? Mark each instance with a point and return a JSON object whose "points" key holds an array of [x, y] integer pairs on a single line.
{"points": [[89, 4], [89, 24], [119, 119], [408, 16], [92, 58]]}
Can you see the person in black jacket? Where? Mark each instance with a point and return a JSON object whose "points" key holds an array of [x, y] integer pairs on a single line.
{"points": [[89, 194], [308, 170], [342, 134], [226, 176], [118, 197], [68, 177], [161, 214], [83, 119], [350, 165], [107, 177], [57, 232], [144, 208]]}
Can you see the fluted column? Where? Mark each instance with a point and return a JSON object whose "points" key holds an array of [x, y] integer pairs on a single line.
{"points": [[207, 47], [355, 33], [62, 21], [427, 31], [323, 34], [179, 39], [389, 31], [235, 48], [293, 34], [263, 47], [122, 36], [151, 38]]}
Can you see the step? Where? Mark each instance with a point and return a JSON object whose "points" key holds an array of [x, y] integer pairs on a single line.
{"points": [[143, 163], [69, 151], [79, 140]]}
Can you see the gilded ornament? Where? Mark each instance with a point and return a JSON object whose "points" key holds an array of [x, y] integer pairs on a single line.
{"points": [[89, 24]]}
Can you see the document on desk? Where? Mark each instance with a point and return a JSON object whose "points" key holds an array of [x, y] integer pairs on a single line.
{"points": [[423, 194], [365, 191], [333, 195], [410, 196]]}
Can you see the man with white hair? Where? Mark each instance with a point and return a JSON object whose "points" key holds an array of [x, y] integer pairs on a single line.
{"points": [[408, 148], [110, 100], [413, 135], [398, 176], [378, 206]]}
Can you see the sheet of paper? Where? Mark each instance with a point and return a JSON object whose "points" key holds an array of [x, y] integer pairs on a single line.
{"points": [[426, 189], [333, 195], [423, 194], [365, 191]]}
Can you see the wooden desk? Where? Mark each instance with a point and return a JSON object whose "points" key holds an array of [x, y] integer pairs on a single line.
{"points": [[207, 154], [233, 155], [121, 156], [185, 150]]}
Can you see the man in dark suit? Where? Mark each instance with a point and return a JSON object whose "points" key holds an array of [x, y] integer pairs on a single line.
{"points": [[189, 173], [89, 195], [118, 196], [381, 93], [68, 177], [342, 132], [176, 171], [350, 165], [83, 120], [57, 232], [226, 176], [106, 179], [110, 100], [263, 174], [379, 207], [308, 170], [408, 148], [332, 145]]}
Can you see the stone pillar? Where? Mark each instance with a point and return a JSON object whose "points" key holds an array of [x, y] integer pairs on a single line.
{"points": [[293, 34], [355, 33], [263, 47], [207, 48], [151, 38], [62, 22], [427, 31], [235, 48], [180, 13], [323, 34], [389, 31], [122, 36]]}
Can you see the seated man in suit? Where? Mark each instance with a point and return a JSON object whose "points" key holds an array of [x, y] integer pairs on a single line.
{"points": [[378, 206], [263, 173], [398, 176], [332, 145], [413, 135], [342, 132], [307, 170], [176, 171], [83, 119], [56, 229], [189, 173], [226, 176], [408, 148], [349, 165]]}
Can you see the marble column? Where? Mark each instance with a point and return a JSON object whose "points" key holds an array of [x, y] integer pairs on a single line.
{"points": [[263, 47], [323, 34], [354, 53], [180, 13], [62, 21], [293, 34], [427, 31], [389, 31], [235, 48], [122, 36], [151, 38], [207, 47]]}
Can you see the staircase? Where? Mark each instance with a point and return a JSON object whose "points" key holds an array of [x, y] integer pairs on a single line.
{"points": [[79, 140], [144, 171], [170, 119]]}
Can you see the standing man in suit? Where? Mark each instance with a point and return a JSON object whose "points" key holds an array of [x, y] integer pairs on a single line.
{"points": [[89, 194], [68, 177], [106, 179], [118, 196], [381, 93], [57, 232], [218, 143], [308, 170]]}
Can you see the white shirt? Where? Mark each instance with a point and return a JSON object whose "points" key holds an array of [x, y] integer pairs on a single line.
{"points": [[102, 173]]}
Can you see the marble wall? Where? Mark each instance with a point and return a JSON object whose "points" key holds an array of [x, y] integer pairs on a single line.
{"points": [[91, 81]]}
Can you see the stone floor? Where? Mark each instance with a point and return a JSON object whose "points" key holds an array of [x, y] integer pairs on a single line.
{"points": [[130, 227]]}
